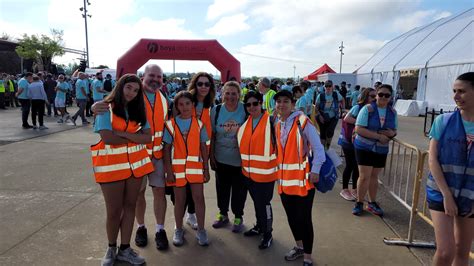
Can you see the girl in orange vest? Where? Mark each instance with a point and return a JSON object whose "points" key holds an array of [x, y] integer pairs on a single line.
{"points": [[257, 144], [203, 91], [186, 161], [296, 139], [120, 161]]}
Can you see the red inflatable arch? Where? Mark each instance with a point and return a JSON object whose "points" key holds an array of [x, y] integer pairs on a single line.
{"points": [[209, 50]]}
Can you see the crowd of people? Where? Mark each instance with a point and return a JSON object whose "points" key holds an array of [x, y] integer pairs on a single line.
{"points": [[253, 134]]}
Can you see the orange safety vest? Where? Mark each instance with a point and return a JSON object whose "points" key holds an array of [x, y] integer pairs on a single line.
{"points": [[118, 162], [156, 116], [293, 166], [206, 120], [186, 154], [259, 160]]}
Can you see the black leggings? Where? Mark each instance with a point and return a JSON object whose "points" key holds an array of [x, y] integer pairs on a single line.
{"points": [[262, 194], [351, 168], [230, 182], [298, 211], [327, 128], [37, 109]]}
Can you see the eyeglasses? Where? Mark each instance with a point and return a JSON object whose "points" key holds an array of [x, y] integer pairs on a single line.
{"points": [[386, 95], [206, 84], [252, 104]]}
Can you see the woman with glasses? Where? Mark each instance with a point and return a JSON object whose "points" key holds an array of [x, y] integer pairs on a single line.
{"points": [[226, 119], [346, 142], [257, 144], [450, 186], [376, 124]]}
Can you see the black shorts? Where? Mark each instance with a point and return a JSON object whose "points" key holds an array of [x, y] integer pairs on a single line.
{"points": [[439, 206], [370, 158]]}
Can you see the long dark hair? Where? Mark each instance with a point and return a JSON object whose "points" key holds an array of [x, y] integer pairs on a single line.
{"points": [[364, 96], [135, 108], [179, 95], [192, 88], [253, 94]]}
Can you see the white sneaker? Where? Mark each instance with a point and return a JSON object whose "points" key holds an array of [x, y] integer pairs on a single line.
{"points": [[109, 257], [178, 237], [191, 220], [129, 255], [201, 236]]}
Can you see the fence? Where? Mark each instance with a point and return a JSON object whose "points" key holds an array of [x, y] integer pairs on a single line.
{"points": [[404, 178], [429, 119]]}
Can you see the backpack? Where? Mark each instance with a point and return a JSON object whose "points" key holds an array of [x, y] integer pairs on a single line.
{"points": [[327, 174], [108, 85], [322, 102]]}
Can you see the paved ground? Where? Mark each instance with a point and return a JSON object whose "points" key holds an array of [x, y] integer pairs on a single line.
{"points": [[52, 213]]}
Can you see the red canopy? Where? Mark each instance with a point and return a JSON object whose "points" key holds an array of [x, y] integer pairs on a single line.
{"points": [[322, 70]]}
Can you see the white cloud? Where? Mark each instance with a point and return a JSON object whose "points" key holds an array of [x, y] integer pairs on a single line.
{"points": [[224, 7], [229, 25], [418, 18], [442, 15]]}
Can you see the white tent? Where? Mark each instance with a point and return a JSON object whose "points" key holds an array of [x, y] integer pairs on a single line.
{"points": [[441, 51]]}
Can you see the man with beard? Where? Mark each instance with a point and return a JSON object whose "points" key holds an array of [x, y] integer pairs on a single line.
{"points": [[98, 91], [157, 113]]}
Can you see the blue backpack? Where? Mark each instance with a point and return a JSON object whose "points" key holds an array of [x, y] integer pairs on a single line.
{"points": [[327, 174]]}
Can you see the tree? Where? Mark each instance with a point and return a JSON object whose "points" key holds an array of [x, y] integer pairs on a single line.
{"points": [[101, 67], [5, 36], [41, 48]]}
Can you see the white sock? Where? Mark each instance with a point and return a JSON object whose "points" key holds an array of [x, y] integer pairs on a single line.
{"points": [[159, 227], [141, 225]]}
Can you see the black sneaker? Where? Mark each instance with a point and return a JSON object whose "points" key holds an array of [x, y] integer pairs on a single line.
{"points": [[161, 240], [266, 241], [255, 231], [141, 237]]}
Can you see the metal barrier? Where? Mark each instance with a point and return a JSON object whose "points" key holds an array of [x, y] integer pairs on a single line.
{"points": [[398, 185], [397, 179]]}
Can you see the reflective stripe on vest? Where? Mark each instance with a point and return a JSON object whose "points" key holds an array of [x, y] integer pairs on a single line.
{"points": [[293, 166], [457, 163], [186, 154], [118, 162], [259, 161], [156, 117]]}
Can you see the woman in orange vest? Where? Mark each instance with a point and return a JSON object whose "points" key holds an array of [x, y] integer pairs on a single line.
{"points": [[186, 161], [257, 144], [120, 160], [203, 91], [296, 139]]}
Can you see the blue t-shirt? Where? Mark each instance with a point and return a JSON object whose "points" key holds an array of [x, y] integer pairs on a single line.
{"points": [[23, 83], [255, 121], [438, 128], [183, 125], [354, 111], [228, 123], [62, 94], [102, 122], [328, 107], [302, 104], [287, 87], [151, 97], [355, 97], [81, 84], [363, 117], [97, 84]]}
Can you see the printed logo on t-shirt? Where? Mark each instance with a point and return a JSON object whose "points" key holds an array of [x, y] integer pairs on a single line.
{"points": [[230, 126]]}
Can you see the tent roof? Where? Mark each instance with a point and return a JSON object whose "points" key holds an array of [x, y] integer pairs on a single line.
{"points": [[322, 70], [446, 41]]}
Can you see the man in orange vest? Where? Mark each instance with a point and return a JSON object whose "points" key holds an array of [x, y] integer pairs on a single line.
{"points": [[157, 113]]}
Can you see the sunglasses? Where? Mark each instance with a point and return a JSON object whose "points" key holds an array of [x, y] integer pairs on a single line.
{"points": [[372, 95], [206, 84], [251, 104], [386, 95]]}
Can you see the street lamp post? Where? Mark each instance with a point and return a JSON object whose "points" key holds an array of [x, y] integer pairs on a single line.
{"points": [[341, 48], [85, 15]]}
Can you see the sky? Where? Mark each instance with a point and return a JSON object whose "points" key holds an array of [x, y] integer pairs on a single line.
{"points": [[276, 38]]}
